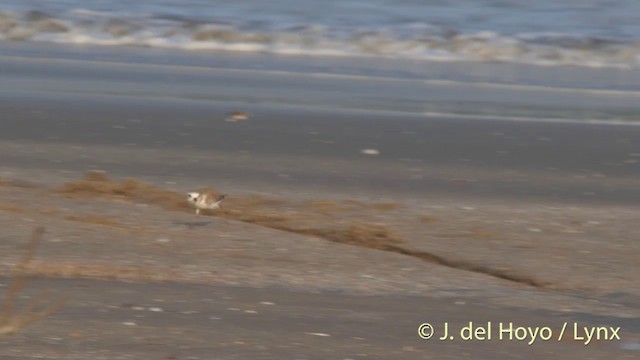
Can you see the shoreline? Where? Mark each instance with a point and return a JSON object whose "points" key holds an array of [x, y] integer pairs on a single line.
{"points": [[455, 90], [332, 214]]}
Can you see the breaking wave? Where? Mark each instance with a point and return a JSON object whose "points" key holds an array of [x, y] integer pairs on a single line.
{"points": [[408, 41]]}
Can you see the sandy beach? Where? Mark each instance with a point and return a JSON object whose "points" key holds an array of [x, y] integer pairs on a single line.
{"points": [[346, 226]]}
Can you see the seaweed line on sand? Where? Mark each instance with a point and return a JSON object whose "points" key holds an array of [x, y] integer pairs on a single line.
{"points": [[296, 217]]}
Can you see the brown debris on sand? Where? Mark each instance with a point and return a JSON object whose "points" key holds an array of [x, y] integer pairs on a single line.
{"points": [[99, 185], [340, 222], [303, 217]]}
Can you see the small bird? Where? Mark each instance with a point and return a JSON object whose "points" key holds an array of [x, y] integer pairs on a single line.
{"points": [[205, 201]]}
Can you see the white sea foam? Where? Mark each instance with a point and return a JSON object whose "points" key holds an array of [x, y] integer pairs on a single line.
{"points": [[405, 41]]}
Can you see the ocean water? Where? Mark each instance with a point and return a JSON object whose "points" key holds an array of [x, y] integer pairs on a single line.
{"points": [[589, 33], [530, 60]]}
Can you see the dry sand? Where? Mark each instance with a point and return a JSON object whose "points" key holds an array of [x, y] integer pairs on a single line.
{"points": [[100, 228]]}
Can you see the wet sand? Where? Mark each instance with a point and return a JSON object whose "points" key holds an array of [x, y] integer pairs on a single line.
{"points": [[292, 149], [554, 202]]}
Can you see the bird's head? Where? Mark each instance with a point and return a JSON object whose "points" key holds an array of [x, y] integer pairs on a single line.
{"points": [[193, 196]]}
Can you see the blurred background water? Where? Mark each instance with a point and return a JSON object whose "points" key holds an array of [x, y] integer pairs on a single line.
{"points": [[601, 33], [586, 51]]}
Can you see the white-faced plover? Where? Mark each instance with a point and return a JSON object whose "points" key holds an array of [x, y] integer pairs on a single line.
{"points": [[205, 201]]}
